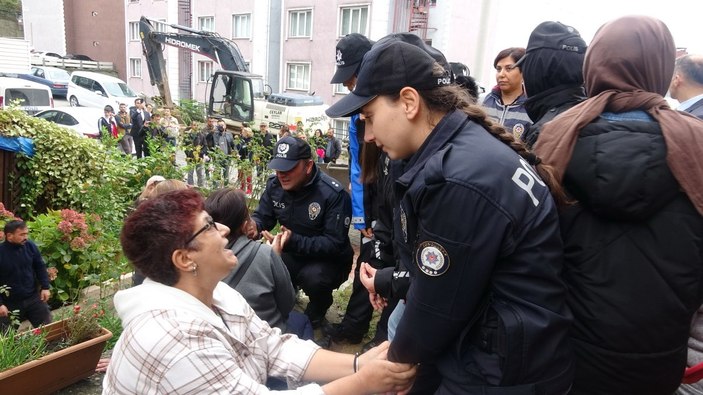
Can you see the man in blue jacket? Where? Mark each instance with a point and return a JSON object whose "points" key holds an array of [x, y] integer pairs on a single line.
{"points": [[21, 266], [316, 209]]}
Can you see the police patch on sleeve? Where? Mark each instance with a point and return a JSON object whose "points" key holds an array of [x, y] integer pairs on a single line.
{"points": [[404, 224], [432, 258], [347, 221], [313, 210]]}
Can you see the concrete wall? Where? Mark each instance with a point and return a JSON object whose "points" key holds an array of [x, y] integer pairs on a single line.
{"points": [[96, 28], [43, 22]]}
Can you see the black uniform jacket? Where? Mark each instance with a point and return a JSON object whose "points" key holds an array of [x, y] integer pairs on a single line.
{"points": [[479, 232], [633, 260], [318, 215]]}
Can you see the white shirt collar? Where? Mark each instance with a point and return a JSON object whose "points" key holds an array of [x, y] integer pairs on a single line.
{"points": [[688, 103]]}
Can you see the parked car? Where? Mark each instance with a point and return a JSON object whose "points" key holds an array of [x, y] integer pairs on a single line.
{"points": [[49, 55], [78, 57], [82, 120], [56, 79], [30, 96], [98, 90]]}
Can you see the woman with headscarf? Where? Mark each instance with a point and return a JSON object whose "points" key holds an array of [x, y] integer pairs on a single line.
{"points": [[633, 239], [185, 331]]}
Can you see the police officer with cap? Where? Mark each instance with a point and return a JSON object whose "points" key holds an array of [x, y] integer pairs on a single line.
{"points": [[316, 209]]}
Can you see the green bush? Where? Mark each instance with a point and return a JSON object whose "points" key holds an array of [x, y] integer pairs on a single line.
{"points": [[79, 249], [70, 172]]}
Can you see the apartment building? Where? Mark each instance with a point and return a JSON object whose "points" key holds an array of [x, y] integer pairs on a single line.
{"points": [[291, 43]]}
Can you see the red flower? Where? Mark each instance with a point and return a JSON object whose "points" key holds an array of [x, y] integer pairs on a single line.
{"points": [[36, 331], [65, 227], [76, 309]]}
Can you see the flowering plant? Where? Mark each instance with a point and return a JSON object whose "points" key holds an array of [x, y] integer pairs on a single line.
{"points": [[17, 348], [5, 217], [69, 242], [83, 324]]}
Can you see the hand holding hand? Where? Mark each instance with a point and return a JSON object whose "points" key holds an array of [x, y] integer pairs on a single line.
{"points": [[368, 232], [377, 301], [380, 376]]}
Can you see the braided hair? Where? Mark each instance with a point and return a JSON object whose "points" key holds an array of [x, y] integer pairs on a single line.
{"points": [[453, 97]]}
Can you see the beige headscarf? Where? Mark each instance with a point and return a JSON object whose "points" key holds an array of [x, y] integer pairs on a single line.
{"points": [[629, 66]]}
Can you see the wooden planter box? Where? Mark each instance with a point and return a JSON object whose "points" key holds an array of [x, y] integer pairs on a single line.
{"points": [[57, 370]]}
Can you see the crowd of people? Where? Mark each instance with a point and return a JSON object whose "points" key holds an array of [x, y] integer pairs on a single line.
{"points": [[208, 148], [544, 240]]}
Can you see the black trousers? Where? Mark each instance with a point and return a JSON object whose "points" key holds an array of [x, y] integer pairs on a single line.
{"points": [[32, 309], [317, 279], [140, 147], [359, 310]]}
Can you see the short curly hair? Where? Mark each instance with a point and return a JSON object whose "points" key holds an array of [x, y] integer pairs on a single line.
{"points": [[157, 228]]}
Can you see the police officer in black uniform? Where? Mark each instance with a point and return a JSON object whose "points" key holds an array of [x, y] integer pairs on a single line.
{"points": [[476, 228], [316, 209]]}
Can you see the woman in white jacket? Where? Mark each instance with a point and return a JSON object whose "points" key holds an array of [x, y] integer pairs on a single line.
{"points": [[186, 332]]}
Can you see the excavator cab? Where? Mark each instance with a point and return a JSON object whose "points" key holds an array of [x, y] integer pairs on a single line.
{"points": [[232, 96]]}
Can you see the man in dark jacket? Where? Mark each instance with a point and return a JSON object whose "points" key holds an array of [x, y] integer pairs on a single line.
{"points": [[140, 117], [687, 84], [21, 267], [551, 71], [317, 210], [334, 149]]}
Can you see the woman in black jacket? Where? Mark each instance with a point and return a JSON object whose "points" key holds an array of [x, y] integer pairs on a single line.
{"points": [[634, 241]]}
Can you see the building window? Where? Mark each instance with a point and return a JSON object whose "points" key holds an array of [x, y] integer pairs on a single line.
{"points": [[241, 27], [135, 67], [299, 76], [354, 20], [341, 128], [206, 23], [300, 23], [204, 71], [340, 89], [133, 31], [160, 25]]}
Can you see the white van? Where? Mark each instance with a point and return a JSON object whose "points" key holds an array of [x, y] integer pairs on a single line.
{"points": [[291, 109], [90, 89], [31, 97]]}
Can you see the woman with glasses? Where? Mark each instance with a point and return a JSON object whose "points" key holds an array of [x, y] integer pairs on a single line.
{"points": [[505, 104], [187, 332]]}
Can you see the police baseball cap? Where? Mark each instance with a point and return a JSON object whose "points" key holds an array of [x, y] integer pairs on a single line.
{"points": [[350, 50], [288, 151], [554, 35], [386, 69]]}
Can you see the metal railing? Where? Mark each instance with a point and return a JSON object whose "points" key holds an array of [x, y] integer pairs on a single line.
{"points": [[70, 63]]}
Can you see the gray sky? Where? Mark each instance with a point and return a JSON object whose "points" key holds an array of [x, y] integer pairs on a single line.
{"points": [[683, 17]]}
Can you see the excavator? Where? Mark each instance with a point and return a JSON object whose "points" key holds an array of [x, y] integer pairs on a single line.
{"points": [[235, 94]]}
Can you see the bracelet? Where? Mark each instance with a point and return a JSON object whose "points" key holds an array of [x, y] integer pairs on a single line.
{"points": [[356, 362]]}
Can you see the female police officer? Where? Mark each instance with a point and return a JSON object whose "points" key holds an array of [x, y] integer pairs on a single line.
{"points": [[476, 227]]}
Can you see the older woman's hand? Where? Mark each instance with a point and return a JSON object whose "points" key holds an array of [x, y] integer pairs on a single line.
{"points": [[381, 376]]}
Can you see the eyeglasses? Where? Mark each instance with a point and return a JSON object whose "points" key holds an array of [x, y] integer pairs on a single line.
{"points": [[508, 68], [210, 223]]}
